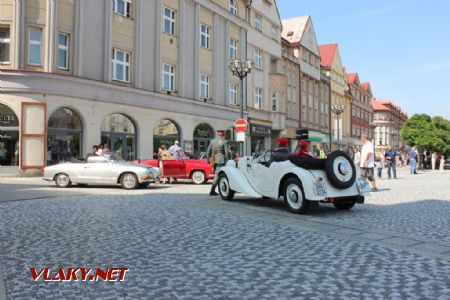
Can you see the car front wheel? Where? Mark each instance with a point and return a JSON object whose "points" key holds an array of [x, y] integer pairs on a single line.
{"points": [[129, 181], [62, 180], [198, 177], [224, 188], [294, 196]]}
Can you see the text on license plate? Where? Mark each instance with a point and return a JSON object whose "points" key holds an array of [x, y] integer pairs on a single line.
{"points": [[321, 190]]}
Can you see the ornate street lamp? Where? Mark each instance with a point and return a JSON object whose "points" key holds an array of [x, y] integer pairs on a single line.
{"points": [[338, 109], [374, 125], [241, 69]]}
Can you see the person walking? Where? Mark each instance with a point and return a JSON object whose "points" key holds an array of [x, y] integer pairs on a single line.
{"points": [[441, 164], [174, 150], [412, 160], [163, 154], [433, 160], [391, 157], [381, 161], [357, 157], [350, 151], [217, 157], [367, 164]]}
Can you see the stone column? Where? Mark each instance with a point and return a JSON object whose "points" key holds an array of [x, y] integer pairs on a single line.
{"points": [[107, 41], [196, 51], [138, 45], [216, 60], [78, 38], [18, 34], [51, 35], [181, 49], [158, 46]]}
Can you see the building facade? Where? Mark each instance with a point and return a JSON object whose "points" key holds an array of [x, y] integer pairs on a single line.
{"points": [[266, 85], [331, 63], [390, 119], [362, 111], [130, 73], [314, 94], [291, 69]]}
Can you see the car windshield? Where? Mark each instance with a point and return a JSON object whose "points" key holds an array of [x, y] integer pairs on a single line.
{"points": [[112, 157], [182, 155]]}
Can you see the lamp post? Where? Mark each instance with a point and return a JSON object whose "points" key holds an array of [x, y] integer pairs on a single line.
{"points": [[241, 69], [338, 109], [374, 125]]}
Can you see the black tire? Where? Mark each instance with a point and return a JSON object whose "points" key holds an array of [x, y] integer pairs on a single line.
{"points": [[224, 188], [198, 177], [334, 178], [144, 185], [129, 181], [294, 197], [62, 180], [344, 203]]}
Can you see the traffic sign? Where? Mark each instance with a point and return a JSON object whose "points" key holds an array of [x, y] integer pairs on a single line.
{"points": [[240, 125]]}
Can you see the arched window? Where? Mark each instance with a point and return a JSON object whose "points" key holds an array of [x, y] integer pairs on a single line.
{"points": [[119, 135], [233, 7], [9, 137], [165, 132], [64, 136]]}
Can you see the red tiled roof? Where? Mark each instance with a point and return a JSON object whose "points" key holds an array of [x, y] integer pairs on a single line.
{"points": [[327, 54], [365, 86], [351, 77], [376, 105]]}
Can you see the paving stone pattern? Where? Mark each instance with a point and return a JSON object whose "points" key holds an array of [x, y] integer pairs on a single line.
{"points": [[176, 249]]}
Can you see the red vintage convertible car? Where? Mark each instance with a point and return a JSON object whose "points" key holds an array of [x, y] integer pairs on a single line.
{"points": [[199, 171]]}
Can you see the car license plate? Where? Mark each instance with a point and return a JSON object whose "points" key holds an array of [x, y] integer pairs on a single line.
{"points": [[363, 185], [320, 188]]}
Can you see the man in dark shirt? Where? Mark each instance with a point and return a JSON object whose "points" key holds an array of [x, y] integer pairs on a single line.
{"points": [[390, 156]]}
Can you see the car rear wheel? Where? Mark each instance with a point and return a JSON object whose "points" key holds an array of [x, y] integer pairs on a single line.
{"points": [[198, 177], [224, 188], [62, 180], [344, 203], [294, 196], [129, 181]]}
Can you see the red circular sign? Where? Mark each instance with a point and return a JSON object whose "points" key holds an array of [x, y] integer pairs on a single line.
{"points": [[240, 125]]}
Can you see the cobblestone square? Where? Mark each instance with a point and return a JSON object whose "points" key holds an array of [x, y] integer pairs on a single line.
{"points": [[180, 243]]}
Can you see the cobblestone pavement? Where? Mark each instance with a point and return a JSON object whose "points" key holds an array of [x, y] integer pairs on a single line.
{"points": [[179, 243]]}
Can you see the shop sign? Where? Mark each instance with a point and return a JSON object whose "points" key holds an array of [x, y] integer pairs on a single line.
{"points": [[8, 120], [260, 130], [5, 137]]}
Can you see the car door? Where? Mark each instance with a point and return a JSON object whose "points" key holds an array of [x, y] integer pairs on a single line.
{"points": [[260, 174], [173, 168], [97, 170]]}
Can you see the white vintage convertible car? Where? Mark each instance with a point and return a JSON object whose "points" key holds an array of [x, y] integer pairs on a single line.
{"points": [[299, 180], [107, 169]]}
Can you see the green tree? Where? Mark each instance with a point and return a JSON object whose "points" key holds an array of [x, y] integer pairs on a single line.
{"points": [[427, 133]]}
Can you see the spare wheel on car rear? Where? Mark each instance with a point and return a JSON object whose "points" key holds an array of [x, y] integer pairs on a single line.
{"points": [[340, 169]]}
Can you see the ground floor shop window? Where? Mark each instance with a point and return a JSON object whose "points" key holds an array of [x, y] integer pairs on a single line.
{"points": [[9, 137], [64, 136], [119, 136], [257, 144], [203, 134], [165, 132]]}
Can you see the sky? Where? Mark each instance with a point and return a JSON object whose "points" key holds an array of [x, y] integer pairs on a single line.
{"points": [[402, 47]]}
